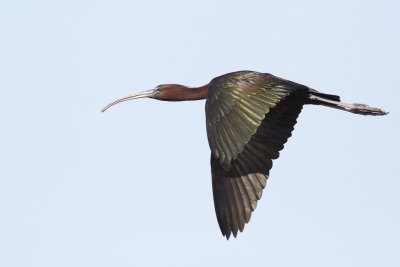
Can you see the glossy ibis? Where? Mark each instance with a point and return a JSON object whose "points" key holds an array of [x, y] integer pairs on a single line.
{"points": [[249, 116]]}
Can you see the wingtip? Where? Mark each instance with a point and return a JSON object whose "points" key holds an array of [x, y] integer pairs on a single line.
{"points": [[227, 235]]}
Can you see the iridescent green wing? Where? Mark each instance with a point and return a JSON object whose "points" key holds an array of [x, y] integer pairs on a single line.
{"points": [[237, 188], [249, 118], [236, 105]]}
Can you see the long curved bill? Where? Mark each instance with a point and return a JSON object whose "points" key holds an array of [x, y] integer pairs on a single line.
{"points": [[148, 93]]}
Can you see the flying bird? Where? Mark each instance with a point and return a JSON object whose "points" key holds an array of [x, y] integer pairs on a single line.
{"points": [[249, 117]]}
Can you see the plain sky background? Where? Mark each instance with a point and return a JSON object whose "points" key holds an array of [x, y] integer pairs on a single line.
{"points": [[132, 186]]}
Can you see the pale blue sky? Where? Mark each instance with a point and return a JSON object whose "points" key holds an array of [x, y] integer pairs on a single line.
{"points": [[132, 186]]}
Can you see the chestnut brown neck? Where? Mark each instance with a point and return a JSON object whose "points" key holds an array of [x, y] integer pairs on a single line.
{"points": [[177, 92]]}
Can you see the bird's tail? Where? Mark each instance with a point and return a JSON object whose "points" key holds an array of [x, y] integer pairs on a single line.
{"points": [[333, 101]]}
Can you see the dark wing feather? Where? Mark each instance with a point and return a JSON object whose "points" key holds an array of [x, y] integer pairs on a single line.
{"points": [[236, 105], [238, 185]]}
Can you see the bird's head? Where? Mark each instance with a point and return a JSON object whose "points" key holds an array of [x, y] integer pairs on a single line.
{"points": [[167, 92]]}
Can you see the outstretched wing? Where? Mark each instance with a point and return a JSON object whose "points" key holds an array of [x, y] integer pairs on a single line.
{"points": [[239, 176]]}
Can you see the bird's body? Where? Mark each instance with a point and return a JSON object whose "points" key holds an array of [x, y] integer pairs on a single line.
{"points": [[249, 117]]}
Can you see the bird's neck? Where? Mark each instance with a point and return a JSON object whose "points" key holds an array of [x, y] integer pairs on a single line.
{"points": [[176, 92], [196, 93]]}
